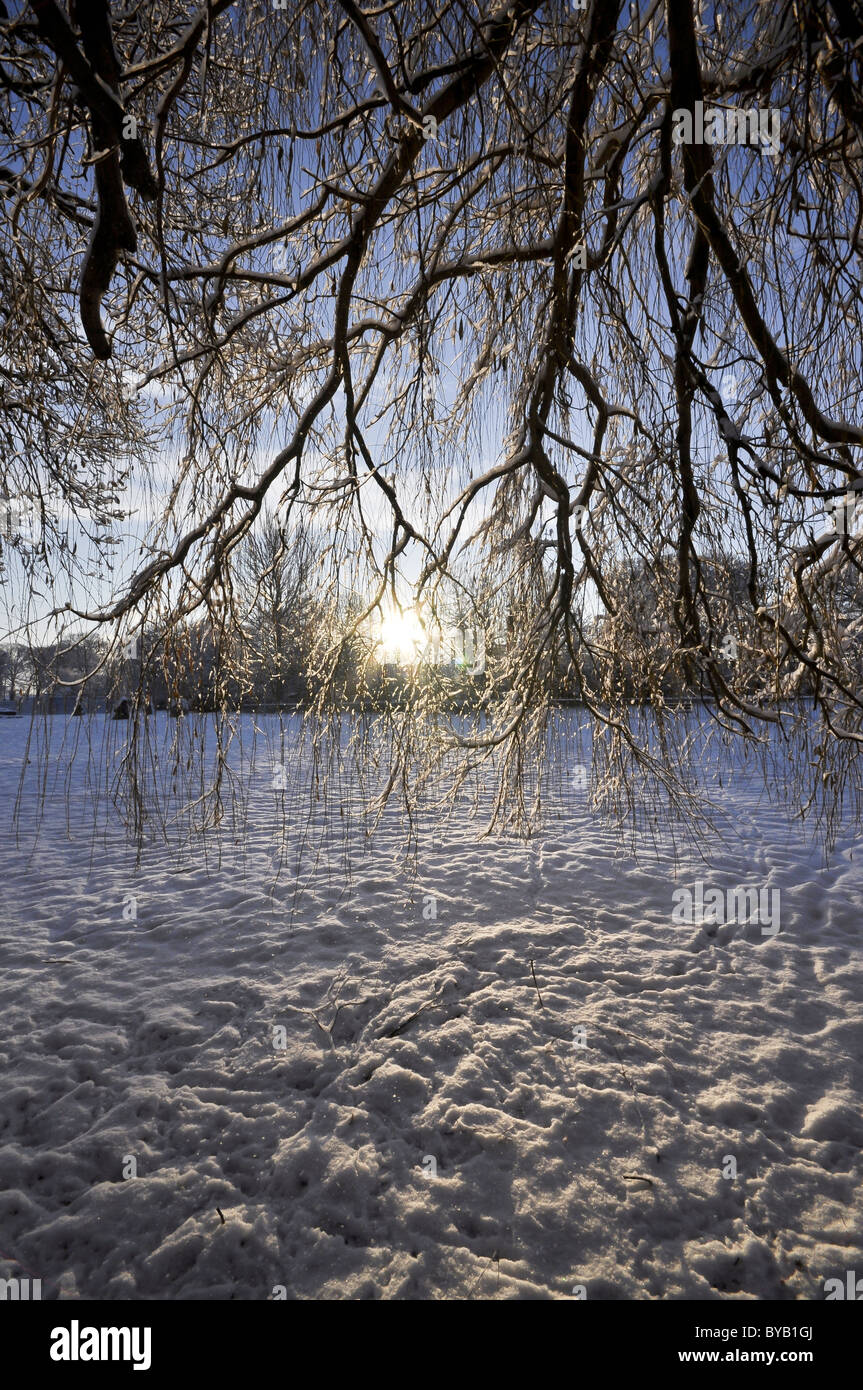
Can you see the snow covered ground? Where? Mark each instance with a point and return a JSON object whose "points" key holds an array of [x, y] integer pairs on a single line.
{"points": [[375, 1087]]}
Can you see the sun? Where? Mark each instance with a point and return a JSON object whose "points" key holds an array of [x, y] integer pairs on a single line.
{"points": [[401, 637]]}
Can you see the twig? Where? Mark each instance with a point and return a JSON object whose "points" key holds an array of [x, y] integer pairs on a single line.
{"points": [[628, 1080], [533, 973]]}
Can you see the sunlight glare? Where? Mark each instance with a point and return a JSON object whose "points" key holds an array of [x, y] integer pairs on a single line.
{"points": [[401, 638]]}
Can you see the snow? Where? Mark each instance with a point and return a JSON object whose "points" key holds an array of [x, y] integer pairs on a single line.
{"points": [[431, 1128]]}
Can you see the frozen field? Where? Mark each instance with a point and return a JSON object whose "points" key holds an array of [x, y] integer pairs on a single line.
{"points": [[376, 1089]]}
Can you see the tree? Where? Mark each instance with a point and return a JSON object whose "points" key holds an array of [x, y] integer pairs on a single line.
{"points": [[273, 583], [12, 662], [528, 286]]}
